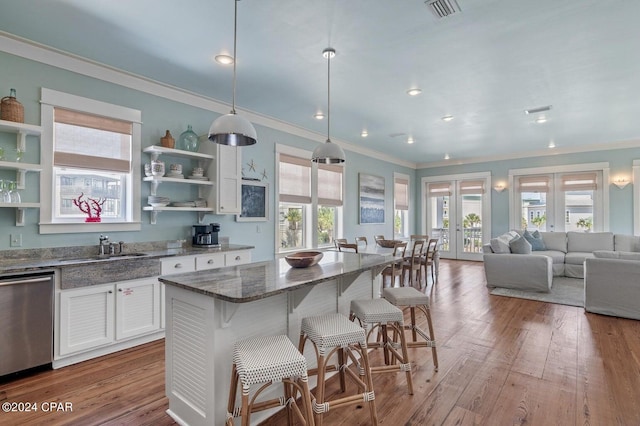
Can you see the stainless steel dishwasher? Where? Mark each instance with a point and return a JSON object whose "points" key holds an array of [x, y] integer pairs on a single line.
{"points": [[26, 321]]}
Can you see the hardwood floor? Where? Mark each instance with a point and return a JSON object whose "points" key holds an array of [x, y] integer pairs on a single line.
{"points": [[503, 361]]}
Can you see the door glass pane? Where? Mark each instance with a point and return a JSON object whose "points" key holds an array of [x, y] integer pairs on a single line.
{"points": [[440, 220], [579, 208], [472, 223], [534, 210]]}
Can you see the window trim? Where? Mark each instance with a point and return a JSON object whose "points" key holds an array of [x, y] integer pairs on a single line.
{"points": [[50, 99], [402, 178]]}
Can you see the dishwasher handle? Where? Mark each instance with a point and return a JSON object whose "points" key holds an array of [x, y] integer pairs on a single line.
{"points": [[25, 281]]}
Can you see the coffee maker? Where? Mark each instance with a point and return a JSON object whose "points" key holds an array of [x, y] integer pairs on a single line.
{"points": [[205, 235]]}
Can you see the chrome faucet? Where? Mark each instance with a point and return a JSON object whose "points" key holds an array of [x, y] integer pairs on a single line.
{"points": [[104, 241]]}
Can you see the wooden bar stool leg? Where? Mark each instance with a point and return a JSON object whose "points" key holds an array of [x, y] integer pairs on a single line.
{"points": [[434, 353], [414, 335]]}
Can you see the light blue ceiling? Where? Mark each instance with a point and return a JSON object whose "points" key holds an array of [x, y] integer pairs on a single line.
{"points": [[484, 65]]}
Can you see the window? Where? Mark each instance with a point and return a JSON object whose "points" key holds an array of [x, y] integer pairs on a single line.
{"points": [[310, 201], [563, 200], [401, 206], [92, 161]]}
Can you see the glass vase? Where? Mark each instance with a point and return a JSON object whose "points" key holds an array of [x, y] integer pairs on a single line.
{"points": [[188, 140]]}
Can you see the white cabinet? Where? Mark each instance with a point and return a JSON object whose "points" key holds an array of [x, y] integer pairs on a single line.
{"points": [[86, 318], [137, 307], [22, 131], [225, 198], [95, 316], [237, 257], [204, 186]]}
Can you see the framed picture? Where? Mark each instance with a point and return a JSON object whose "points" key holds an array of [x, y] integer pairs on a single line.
{"points": [[371, 198], [254, 202]]}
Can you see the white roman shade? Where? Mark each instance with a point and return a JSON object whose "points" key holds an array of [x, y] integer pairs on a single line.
{"points": [[295, 179], [533, 183], [329, 185], [579, 182], [439, 189], [469, 187], [401, 194], [91, 142]]}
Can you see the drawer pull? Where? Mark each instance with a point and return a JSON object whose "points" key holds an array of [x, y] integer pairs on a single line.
{"points": [[238, 258], [178, 265], [210, 261], [110, 292]]}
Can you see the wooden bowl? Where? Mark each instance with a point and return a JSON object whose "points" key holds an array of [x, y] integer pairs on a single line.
{"points": [[303, 259], [387, 243]]}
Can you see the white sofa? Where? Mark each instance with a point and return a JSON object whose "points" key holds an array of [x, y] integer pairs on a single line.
{"points": [[564, 255], [612, 284]]}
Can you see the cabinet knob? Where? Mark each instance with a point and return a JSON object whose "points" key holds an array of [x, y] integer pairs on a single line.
{"points": [[210, 262], [178, 265], [238, 258], [119, 289], [110, 292]]}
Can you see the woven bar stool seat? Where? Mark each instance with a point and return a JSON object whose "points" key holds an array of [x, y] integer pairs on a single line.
{"points": [[412, 299], [335, 334], [266, 361], [380, 315]]}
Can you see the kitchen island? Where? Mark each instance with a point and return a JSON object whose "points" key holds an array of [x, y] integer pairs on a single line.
{"points": [[207, 311]]}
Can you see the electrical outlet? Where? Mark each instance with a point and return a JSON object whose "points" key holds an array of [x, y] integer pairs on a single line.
{"points": [[16, 240]]}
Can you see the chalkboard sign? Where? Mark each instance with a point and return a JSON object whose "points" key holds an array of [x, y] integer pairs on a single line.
{"points": [[255, 202]]}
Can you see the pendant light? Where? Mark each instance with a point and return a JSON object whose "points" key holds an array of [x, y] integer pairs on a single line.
{"points": [[328, 152], [232, 129]]}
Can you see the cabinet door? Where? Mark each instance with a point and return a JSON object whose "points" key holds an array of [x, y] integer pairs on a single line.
{"points": [[229, 179], [137, 307], [237, 257], [86, 318]]}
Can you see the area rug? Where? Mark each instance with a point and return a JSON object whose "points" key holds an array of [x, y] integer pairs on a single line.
{"points": [[564, 291]]}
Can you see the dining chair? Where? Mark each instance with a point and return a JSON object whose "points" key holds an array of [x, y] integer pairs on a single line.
{"points": [[415, 237], [361, 239], [378, 238], [427, 260], [347, 247], [339, 241], [411, 264], [394, 270]]}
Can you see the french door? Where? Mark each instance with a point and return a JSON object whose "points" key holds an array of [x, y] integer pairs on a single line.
{"points": [[458, 213]]}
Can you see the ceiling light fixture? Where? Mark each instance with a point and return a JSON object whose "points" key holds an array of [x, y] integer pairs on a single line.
{"points": [[414, 92], [447, 118], [539, 109], [318, 116], [232, 129], [328, 152], [224, 59], [446, 157], [541, 120], [410, 140], [552, 144], [364, 134]]}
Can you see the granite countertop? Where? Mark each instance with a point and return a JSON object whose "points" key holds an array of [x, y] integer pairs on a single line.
{"points": [[254, 281], [15, 262]]}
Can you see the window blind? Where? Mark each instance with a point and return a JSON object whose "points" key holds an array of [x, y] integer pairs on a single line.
{"points": [[401, 194], [439, 189], [580, 182], [471, 187], [295, 179], [533, 183], [91, 142], [329, 185]]}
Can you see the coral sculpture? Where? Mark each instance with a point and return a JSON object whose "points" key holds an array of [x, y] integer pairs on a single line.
{"points": [[92, 208]]}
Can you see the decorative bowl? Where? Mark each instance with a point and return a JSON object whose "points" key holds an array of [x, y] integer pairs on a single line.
{"points": [[303, 259], [387, 243]]}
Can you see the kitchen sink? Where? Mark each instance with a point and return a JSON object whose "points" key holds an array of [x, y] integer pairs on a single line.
{"points": [[102, 257]]}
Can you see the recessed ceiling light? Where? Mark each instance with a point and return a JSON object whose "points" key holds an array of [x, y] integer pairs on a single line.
{"points": [[224, 59], [541, 120], [552, 144], [446, 156], [414, 92], [447, 118], [364, 134], [410, 140], [318, 116]]}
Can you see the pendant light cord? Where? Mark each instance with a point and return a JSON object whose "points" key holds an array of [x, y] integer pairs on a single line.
{"points": [[235, 56], [329, 96]]}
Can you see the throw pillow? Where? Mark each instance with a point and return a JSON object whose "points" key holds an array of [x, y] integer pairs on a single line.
{"points": [[501, 244], [520, 246], [536, 242]]}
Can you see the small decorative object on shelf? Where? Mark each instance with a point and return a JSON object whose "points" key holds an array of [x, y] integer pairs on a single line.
{"points": [[92, 208], [188, 140], [11, 109], [168, 141]]}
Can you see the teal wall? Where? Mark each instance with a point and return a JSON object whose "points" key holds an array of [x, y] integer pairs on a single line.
{"points": [[158, 115], [620, 200]]}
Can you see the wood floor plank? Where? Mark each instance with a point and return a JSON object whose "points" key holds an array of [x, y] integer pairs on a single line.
{"points": [[503, 361]]}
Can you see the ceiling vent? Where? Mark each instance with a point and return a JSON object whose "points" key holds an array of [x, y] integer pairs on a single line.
{"points": [[443, 8], [536, 110]]}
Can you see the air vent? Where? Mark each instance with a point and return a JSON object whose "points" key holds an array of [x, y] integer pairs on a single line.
{"points": [[536, 110], [443, 8]]}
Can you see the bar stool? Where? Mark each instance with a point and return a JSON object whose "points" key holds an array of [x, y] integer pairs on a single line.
{"points": [[334, 334], [410, 298], [269, 360], [382, 315]]}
